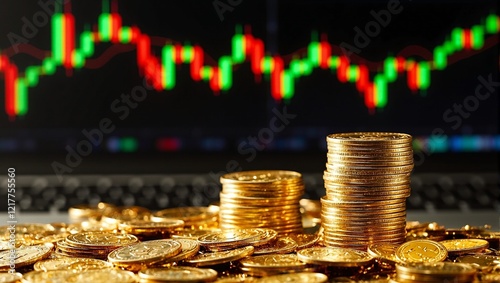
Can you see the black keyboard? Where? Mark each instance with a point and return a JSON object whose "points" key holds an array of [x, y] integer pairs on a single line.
{"points": [[430, 192]]}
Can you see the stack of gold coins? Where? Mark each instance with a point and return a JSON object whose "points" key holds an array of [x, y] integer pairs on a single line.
{"points": [[367, 181], [261, 199], [93, 244]]}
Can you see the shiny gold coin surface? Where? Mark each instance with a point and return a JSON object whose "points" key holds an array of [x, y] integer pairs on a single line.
{"points": [[186, 214], [193, 234], [384, 251], [116, 215], [165, 225], [147, 252], [421, 251], [263, 176], [300, 277], [282, 245], [274, 261], [178, 274], [237, 237], [483, 261], [462, 246], [369, 137], [334, 256], [102, 276], [437, 271], [25, 255], [10, 277], [304, 240], [101, 239], [51, 276], [214, 258], [189, 248], [71, 264]]}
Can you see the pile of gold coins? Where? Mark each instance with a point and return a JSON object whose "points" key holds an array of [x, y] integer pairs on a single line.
{"points": [[99, 252], [367, 181], [256, 233], [263, 199]]}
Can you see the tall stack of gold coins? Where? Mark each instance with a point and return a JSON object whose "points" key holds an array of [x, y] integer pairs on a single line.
{"points": [[367, 181], [261, 199]]}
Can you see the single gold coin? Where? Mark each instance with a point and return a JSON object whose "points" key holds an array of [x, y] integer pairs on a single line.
{"points": [[101, 239], [421, 251], [214, 258], [462, 246], [178, 274], [10, 277], [334, 256], [25, 255], [309, 277], [145, 253], [369, 137], [102, 276], [71, 264]]}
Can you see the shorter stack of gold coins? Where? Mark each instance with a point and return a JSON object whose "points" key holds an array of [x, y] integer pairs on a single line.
{"points": [[367, 182], [93, 244], [262, 199]]}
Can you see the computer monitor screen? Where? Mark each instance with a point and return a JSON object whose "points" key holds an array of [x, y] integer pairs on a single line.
{"points": [[177, 81]]}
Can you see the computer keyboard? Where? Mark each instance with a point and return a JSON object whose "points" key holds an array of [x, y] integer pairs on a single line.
{"points": [[430, 192]]}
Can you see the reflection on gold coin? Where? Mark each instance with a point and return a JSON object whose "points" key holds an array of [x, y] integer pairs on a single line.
{"points": [[145, 253], [462, 246], [300, 277], [178, 274], [435, 272], [214, 258], [333, 256], [25, 255], [101, 239], [71, 264], [10, 277]]}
